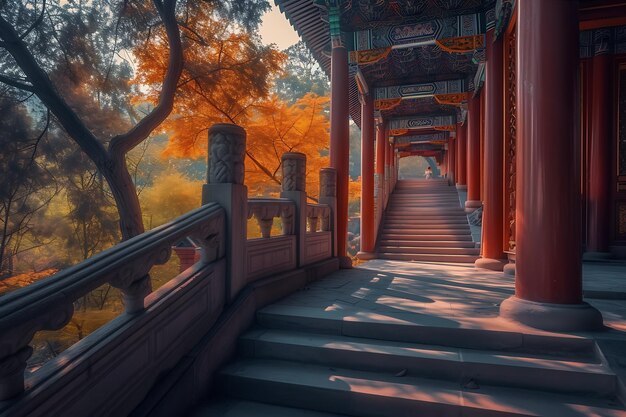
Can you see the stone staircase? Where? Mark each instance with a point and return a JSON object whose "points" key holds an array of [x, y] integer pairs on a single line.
{"points": [[300, 361], [425, 222]]}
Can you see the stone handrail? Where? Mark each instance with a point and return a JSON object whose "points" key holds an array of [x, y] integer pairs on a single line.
{"points": [[315, 212], [266, 209], [48, 304]]}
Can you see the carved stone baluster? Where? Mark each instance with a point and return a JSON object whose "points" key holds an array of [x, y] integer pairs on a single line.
{"points": [[313, 218], [225, 177], [294, 188], [265, 217], [286, 217], [14, 348], [325, 220], [328, 196]]}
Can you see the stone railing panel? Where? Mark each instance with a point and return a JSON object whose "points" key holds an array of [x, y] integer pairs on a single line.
{"points": [[265, 257], [48, 304], [318, 246], [265, 210]]}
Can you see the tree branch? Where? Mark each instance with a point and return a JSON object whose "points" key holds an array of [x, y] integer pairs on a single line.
{"points": [[15, 83], [44, 89], [36, 22], [121, 144]]}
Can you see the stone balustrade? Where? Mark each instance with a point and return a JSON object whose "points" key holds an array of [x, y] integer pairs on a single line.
{"points": [[48, 304], [159, 328]]}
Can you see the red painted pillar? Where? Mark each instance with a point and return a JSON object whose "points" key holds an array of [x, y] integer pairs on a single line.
{"points": [[493, 170], [599, 160], [473, 155], [380, 167], [461, 157], [548, 282], [388, 150], [340, 144], [368, 236], [451, 161]]}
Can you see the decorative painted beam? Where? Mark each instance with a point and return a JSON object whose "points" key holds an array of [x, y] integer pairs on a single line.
{"points": [[408, 35], [431, 137], [459, 34], [611, 40], [421, 122], [438, 88]]}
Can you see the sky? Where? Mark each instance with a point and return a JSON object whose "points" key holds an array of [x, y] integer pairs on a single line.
{"points": [[276, 29]]}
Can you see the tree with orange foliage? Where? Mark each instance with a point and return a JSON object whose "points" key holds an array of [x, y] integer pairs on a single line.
{"points": [[227, 78]]}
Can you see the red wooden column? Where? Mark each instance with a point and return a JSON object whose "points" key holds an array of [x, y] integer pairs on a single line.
{"points": [[599, 161], [548, 282], [461, 157], [451, 161], [493, 170], [368, 236], [340, 144], [388, 150], [473, 155], [380, 166]]}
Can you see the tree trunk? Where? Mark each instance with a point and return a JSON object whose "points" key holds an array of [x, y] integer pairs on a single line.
{"points": [[123, 189]]}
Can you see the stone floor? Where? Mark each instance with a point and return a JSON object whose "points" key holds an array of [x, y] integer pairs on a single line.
{"points": [[453, 291], [458, 295]]}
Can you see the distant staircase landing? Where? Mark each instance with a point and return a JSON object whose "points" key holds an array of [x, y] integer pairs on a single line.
{"points": [[425, 222]]}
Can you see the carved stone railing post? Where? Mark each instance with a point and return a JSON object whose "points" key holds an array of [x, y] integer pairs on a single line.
{"points": [[294, 188], [328, 195], [227, 147]]}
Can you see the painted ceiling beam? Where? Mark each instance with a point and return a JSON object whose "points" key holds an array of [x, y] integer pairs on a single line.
{"points": [[438, 122], [420, 90], [459, 34], [453, 92], [430, 137], [410, 35]]}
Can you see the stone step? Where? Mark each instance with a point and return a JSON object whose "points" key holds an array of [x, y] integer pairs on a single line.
{"points": [[239, 408], [425, 329], [408, 215], [426, 204], [444, 363], [427, 257], [416, 231], [419, 222], [424, 243], [413, 233], [424, 196], [427, 210], [424, 238], [429, 250], [424, 207], [443, 225], [366, 394]]}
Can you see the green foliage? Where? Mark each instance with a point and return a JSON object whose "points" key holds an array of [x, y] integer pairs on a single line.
{"points": [[302, 75]]}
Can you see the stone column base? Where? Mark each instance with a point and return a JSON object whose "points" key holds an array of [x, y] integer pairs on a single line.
{"points": [[597, 256], [461, 186], [472, 205], [552, 317], [509, 269], [491, 264], [345, 262], [366, 256]]}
